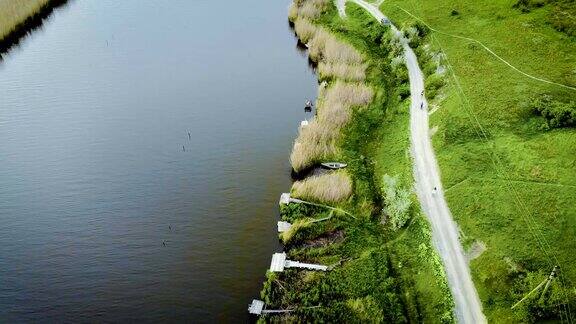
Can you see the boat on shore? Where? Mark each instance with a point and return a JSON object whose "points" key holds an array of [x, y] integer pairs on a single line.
{"points": [[334, 165]]}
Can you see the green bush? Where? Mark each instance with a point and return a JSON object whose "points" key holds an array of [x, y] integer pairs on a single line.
{"points": [[558, 114], [527, 5], [433, 84], [397, 202]]}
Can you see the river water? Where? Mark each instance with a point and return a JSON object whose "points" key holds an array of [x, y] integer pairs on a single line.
{"points": [[109, 211]]}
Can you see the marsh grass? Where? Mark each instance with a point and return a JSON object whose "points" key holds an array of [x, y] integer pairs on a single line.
{"points": [[305, 30], [310, 10], [14, 12], [327, 188], [342, 71], [316, 143], [339, 62]]}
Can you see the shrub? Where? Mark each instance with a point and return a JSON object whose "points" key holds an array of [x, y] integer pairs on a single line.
{"points": [[397, 202], [528, 5], [433, 83], [561, 17], [329, 188], [558, 114]]}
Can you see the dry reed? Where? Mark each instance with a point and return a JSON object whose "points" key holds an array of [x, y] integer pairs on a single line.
{"points": [[14, 12], [315, 143], [328, 188], [343, 71], [310, 9], [305, 30], [337, 52]]}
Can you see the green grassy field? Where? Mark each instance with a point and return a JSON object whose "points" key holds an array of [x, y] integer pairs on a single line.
{"points": [[14, 12], [510, 176]]}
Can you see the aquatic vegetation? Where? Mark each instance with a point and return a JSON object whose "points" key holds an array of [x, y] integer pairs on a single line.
{"points": [[14, 12], [341, 62], [312, 9], [328, 188], [315, 143], [305, 30], [342, 71]]}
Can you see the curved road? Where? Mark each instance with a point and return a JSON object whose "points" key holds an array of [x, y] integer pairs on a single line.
{"points": [[427, 176]]}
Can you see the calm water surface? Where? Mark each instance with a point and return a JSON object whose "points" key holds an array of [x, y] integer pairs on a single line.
{"points": [[95, 109]]}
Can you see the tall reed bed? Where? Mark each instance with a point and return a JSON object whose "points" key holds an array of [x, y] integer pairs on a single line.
{"points": [[310, 9], [342, 71], [343, 67], [329, 188], [338, 62], [317, 142], [14, 12]]}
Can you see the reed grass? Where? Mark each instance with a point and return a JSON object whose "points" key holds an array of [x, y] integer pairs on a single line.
{"points": [[342, 71], [305, 30], [311, 9], [349, 94], [335, 108], [316, 143], [14, 12], [337, 61], [335, 51], [328, 188]]}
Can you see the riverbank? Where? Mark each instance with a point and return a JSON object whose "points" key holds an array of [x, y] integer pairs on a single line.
{"points": [[384, 267], [18, 17], [505, 143]]}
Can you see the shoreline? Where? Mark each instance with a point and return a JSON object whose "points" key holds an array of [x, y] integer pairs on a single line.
{"points": [[363, 242], [30, 21]]}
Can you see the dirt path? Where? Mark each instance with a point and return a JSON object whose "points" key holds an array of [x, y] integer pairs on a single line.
{"points": [[429, 189]]}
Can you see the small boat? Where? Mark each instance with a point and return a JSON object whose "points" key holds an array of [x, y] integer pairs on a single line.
{"points": [[308, 105], [304, 123], [334, 165]]}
